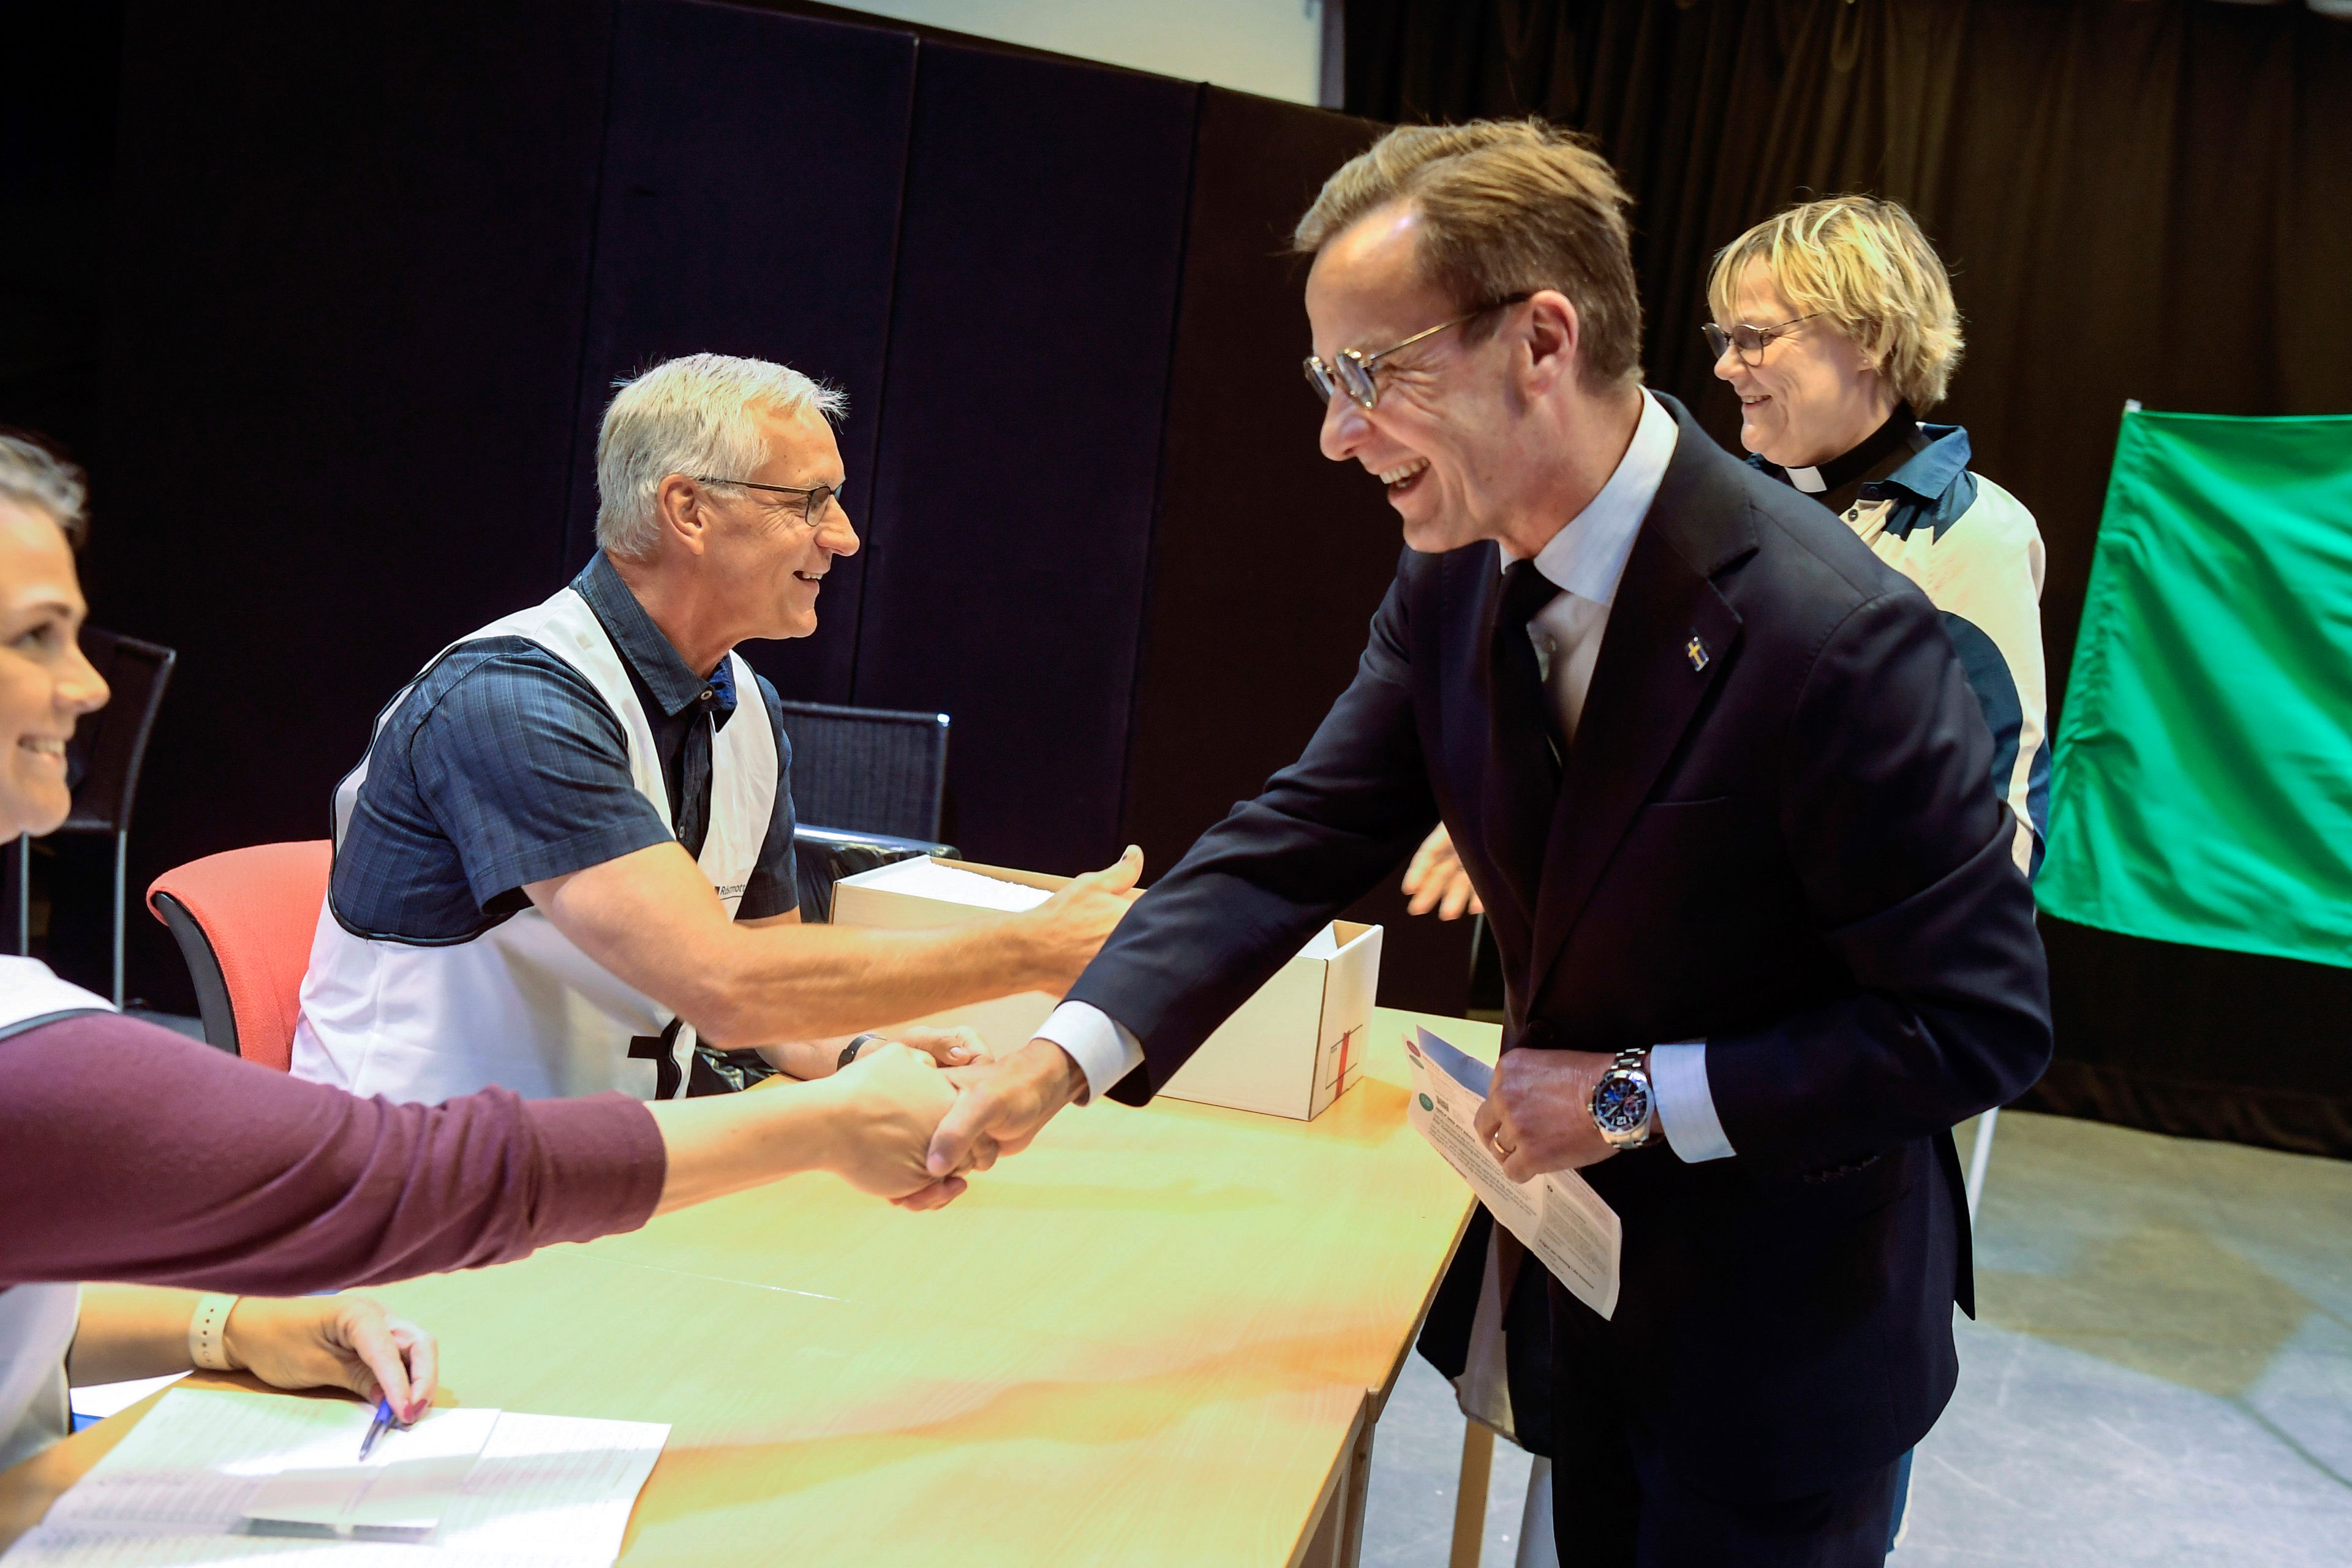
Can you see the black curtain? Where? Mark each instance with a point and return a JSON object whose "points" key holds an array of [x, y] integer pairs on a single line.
{"points": [[2145, 199], [56, 156]]}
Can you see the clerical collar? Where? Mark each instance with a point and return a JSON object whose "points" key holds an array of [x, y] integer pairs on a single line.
{"points": [[1835, 483]]}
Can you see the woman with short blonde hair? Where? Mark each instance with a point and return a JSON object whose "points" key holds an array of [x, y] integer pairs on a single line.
{"points": [[1835, 325], [1863, 266]]}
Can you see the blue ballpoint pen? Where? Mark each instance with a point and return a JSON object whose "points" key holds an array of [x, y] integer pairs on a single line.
{"points": [[385, 1422]]}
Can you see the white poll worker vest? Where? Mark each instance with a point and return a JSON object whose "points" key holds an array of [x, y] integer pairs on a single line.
{"points": [[36, 1322], [519, 1006]]}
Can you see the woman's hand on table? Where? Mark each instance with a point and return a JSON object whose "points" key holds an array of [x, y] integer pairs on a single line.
{"points": [[337, 1341]]}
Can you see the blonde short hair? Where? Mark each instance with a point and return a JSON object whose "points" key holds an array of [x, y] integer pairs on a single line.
{"points": [[1864, 264], [689, 415], [1507, 207]]}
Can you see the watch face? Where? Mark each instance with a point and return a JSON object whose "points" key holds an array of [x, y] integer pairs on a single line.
{"points": [[1621, 1103]]}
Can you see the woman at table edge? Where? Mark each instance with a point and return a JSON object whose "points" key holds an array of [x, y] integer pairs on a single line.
{"points": [[138, 1156]]}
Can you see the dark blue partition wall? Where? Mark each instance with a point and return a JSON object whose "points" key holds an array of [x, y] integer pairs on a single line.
{"points": [[750, 205], [375, 268], [1039, 251], [1267, 561], [344, 307]]}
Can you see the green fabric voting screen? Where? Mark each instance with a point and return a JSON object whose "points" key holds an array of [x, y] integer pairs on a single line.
{"points": [[2203, 787]]}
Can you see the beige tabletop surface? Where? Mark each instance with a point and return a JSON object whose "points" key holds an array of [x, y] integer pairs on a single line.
{"points": [[1147, 1339]]}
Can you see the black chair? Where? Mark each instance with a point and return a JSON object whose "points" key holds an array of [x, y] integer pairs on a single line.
{"points": [[869, 770], [824, 856], [103, 761]]}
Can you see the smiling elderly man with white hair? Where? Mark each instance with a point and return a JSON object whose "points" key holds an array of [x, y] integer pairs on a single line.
{"points": [[565, 864]]}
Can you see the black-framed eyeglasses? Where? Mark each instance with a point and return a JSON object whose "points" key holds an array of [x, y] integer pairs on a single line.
{"points": [[1751, 341], [1351, 370], [814, 499]]}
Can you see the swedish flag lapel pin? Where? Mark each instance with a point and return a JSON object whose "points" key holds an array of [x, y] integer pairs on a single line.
{"points": [[1695, 651]]}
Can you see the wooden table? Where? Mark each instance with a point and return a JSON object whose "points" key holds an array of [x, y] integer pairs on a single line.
{"points": [[1159, 1336]]}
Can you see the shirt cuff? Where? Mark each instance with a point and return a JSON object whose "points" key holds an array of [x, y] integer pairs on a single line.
{"points": [[1685, 1106], [1105, 1049]]}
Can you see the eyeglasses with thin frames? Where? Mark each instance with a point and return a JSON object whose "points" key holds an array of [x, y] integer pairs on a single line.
{"points": [[816, 500], [1751, 341], [1351, 370]]}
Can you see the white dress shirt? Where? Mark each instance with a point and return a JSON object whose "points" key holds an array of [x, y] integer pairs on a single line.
{"points": [[1585, 559]]}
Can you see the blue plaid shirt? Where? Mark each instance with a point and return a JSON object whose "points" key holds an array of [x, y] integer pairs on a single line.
{"points": [[504, 766]]}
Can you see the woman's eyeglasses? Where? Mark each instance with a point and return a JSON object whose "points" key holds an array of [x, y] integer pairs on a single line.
{"points": [[1751, 341]]}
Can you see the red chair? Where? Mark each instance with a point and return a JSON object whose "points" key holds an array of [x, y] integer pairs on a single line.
{"points": [[245, 919]]}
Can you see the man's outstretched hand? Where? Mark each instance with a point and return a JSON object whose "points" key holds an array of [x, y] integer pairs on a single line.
{"points": [[999, 1108], [1069, 928]]}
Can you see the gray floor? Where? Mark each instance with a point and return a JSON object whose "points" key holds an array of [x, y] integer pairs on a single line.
{"points": [[2162, 1375]]}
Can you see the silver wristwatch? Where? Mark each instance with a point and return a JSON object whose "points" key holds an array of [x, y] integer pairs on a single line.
{"points": [[1624, 1106]]}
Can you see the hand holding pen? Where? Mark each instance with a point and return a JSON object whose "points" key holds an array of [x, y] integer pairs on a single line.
{"points": [[385, 1421], [336, 1342]]}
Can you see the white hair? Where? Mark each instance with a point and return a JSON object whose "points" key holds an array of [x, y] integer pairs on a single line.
{"points": [[34, 478], [693, 416]]}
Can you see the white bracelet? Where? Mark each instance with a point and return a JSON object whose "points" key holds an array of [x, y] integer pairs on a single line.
{"points": [[209, 1332]]}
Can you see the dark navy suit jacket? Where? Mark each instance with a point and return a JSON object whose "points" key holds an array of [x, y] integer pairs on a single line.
{"points": [[1774, 834]]}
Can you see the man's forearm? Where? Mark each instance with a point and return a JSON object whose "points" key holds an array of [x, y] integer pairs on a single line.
{"points": [[803, 983], [650, 919]]}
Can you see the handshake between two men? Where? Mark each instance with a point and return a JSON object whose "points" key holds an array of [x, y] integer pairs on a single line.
{"points": [[941, 1107]]}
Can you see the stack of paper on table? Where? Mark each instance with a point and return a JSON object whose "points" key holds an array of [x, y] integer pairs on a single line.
{"points": [[925, 877], [203, 1476]]}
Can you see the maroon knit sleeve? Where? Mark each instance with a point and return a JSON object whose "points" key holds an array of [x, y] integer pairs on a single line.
{"points": [[129, 1152]]}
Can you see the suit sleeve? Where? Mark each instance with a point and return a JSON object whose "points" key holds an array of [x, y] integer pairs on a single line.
{"points": [[1252, 889], [1906, 859]]}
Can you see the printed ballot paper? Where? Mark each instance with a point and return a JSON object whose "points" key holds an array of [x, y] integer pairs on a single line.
{"points": [[1558, 1216], [400, 1491], [213, 1475]]}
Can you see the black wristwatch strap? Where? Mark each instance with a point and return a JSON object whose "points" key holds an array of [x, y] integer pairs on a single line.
{"points": [[849, 1052]]}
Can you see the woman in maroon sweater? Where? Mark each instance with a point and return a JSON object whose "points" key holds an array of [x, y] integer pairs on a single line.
{"points": [[130, 1154]]}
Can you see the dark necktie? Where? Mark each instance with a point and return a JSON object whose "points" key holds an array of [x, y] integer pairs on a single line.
{"points": [[693, 811], [1523, 772], [694, 782]]}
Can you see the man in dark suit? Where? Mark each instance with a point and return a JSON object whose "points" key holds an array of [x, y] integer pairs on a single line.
{"points": [[1718, 778]]}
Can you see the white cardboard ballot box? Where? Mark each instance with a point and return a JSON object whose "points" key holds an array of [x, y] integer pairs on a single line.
{"points": [[1290, 1050]]}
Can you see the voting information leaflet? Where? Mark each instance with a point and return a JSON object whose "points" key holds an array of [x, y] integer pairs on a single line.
{"points": [[1557, 1215]]}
